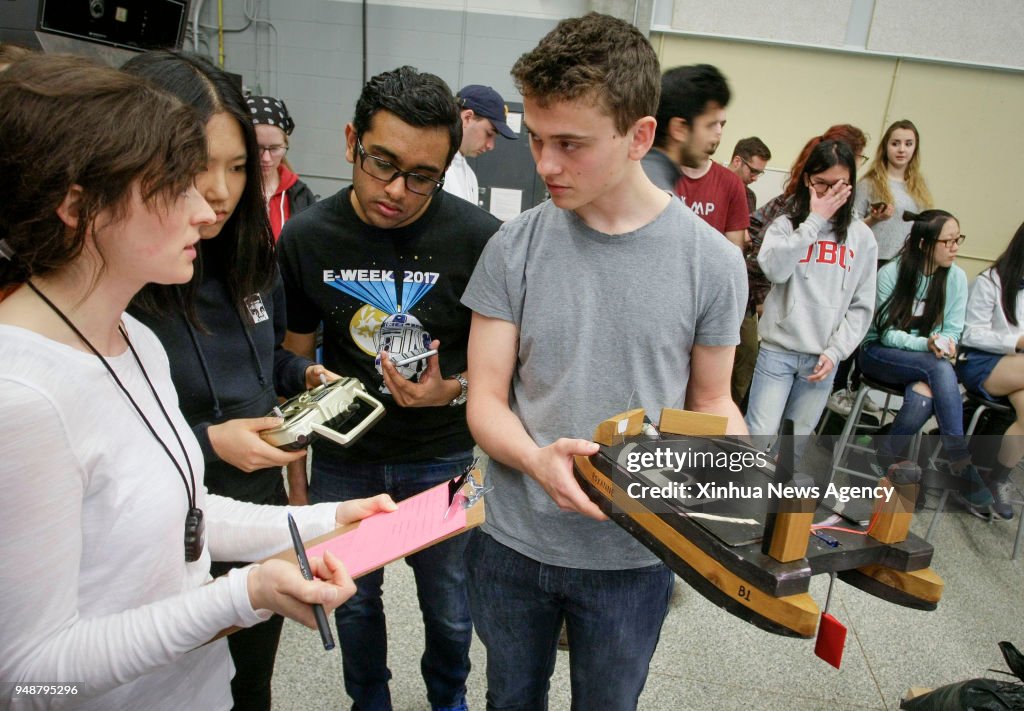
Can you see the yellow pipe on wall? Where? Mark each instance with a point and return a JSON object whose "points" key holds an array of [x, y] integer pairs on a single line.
{"points": [[220, 33]]}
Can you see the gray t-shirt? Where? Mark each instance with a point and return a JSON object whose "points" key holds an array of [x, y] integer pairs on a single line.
{"points": [[606, 323], [892, 233], [661, 170]]}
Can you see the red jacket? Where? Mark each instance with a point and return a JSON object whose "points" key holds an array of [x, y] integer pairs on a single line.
{"points": [[291, 196]]}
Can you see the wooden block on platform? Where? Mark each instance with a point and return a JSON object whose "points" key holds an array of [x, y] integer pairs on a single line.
{"points": [[892, 518], [924, 584], [791, 533], [628, 423], [685, 422]]}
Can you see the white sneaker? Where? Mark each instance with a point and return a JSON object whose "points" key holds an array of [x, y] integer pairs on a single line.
{"points": [[869, 405], [841, 402]]}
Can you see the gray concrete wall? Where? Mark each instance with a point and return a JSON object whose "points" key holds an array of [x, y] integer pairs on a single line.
{"points": [[312, 59]]}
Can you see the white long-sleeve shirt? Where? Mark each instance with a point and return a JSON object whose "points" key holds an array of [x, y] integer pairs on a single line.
{"points": [[94, 583], [460, 180], [985, 325]]}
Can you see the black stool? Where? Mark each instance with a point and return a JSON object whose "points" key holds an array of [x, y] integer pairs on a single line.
{"points": [[844, 446]]}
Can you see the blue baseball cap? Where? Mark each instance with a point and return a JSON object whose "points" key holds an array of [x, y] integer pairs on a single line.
{"points": [[485, 101]]}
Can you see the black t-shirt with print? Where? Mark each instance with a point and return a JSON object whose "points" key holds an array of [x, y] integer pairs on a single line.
{"points": [[340, 271]]}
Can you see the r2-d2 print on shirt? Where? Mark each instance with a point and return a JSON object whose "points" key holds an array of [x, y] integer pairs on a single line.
{"points": [[402, 336]]}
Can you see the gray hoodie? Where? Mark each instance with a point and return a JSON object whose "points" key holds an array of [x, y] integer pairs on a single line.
{"points": [[823, 294]]}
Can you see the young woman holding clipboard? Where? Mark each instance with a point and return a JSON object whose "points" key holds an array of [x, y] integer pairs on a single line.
{"points": [[106, 528]]}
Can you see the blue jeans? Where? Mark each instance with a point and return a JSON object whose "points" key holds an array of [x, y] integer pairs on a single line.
{"points": [[613, 618], [780, 391], [440, 585], [899, 367]]}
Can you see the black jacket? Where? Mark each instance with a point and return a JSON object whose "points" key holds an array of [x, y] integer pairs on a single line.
{"points": [[235, 369]]}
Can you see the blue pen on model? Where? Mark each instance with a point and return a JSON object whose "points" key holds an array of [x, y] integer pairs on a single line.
{"points": [[830, 541], [318, 609]]}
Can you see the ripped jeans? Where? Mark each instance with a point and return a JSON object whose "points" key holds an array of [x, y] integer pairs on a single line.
{"points": [[899, 367]]}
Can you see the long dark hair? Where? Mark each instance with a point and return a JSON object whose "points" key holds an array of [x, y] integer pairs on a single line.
{"points": [[916, 259], [244, 250], [1010, 268], [67, 121], [843, 132], [824, 156]]}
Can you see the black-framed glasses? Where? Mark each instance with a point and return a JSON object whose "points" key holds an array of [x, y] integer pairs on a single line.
{"points": [[276, 151], [756, 172], [821, 186], [386, 172], [952, 240]]}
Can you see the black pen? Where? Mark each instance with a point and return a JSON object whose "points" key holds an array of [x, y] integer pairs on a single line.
{"points": [[318, 609]]}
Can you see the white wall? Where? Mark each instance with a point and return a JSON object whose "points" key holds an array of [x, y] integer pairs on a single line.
{"points": [[986, 32]]}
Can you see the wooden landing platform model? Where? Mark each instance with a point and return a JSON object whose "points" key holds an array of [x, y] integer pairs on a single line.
{"points": [[749, 554]]}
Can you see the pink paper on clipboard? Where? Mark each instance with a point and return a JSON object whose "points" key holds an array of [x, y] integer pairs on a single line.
{"points": [[385, 537]]}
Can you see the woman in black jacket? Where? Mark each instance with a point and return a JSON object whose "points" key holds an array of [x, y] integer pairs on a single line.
{"points": [[223, 330]]}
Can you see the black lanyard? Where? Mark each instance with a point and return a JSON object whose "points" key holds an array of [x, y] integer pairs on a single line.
{"points": [[194, 526]]}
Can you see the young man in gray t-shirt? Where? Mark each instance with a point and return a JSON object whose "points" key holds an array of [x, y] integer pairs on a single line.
{"points": [[610, 295]]}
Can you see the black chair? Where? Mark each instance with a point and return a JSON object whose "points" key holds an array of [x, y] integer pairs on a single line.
{"points": [[854, 423]]}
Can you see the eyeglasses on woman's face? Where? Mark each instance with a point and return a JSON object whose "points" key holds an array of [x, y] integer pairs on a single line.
{"points": [[947, 243], [275, 151], [822, 186]]}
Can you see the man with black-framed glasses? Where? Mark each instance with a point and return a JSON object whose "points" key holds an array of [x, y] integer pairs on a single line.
{"points": [[385, 261], [749, 160]]}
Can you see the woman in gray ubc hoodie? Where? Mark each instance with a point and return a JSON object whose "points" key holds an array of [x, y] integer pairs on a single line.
{"points": [[822, 267]]}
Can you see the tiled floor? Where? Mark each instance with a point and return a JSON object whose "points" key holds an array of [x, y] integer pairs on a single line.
{"points": [[708, 659]]}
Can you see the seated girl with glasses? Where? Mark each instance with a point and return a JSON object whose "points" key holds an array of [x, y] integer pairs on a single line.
{"points": [[922, 296], [821, 263], [106, 527], [992, 365]]}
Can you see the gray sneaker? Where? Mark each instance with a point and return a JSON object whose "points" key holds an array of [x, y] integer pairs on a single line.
{"points": [[1002, 496], [904, 472], [841, 402], [982, 512]]}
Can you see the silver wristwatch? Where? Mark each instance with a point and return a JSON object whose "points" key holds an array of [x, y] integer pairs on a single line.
{"points": [[461, 399]]}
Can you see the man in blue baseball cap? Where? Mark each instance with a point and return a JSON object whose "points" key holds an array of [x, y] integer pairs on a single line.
{"points": [[483, 117]]}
